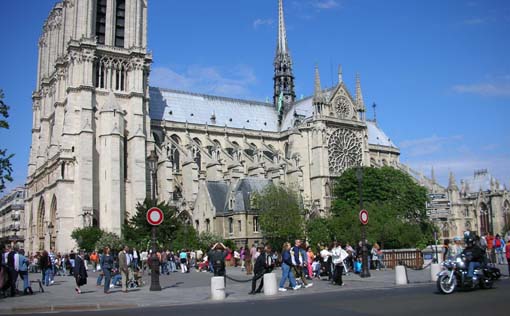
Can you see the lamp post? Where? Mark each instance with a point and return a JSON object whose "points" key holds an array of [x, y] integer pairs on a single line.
{"points": [[50, 232], [365, 273], [155, 286]]}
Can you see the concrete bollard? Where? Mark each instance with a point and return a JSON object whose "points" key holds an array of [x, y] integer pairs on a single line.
{"points": [[218, 288], [400, 275], [435, 268], [270, 286]]}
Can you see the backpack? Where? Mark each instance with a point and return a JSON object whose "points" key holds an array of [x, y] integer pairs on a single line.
{"points": [[497, 243]]}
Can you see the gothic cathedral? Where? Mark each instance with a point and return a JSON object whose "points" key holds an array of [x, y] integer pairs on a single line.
{"points": [[96, 122]]}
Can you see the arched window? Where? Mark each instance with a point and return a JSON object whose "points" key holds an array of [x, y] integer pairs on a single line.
{"points": [[287, 150], [445, 231], [197, 157], [484, 219], [207, 225], [174, 154], [100, 21], [217, 150], [230, 225], [120, 15]]}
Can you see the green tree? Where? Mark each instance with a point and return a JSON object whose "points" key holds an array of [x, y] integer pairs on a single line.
{"points": [[87, 237], [5, 159], [396, 205], [281, 215], [138, 232], [319, 232], [111, 240], [206, 239]]}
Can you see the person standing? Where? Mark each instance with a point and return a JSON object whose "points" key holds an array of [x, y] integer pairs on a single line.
{"points": [[80, 271], [218, 258], [136, 258], [263, 265], [106, 264], [247, 261], [499, 246], [183, 257], [456, 249], [338, 256], [23, 272], [12, 269], [45, 265], [124, 267], [507, 250], [286, 269]]}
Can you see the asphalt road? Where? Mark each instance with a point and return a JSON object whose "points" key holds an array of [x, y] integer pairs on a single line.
{"points": [[417, 300]]}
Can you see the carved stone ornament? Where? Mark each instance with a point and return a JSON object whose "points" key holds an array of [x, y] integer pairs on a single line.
{"points": [[342, 107], [344, 150]]}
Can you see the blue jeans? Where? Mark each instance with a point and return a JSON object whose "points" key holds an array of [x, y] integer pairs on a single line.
{"points": [[472, 266], [287, 274], [171, 265], [46, 278], [99, 279], [24, 276], [107, 278], [116, 279]]}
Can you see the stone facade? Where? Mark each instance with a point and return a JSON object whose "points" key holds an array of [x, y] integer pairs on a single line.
{"points": [[96, 121], [90, 120], [481, 204]]}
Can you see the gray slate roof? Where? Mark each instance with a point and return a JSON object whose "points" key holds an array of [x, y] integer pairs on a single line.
{"points": [[180, 106], [480, 181], [220, 193]]}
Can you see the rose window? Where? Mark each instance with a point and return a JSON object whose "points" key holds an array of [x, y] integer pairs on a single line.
{"points": [[344, 150], [342, 107]]}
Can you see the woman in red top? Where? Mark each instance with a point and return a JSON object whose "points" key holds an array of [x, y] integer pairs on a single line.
{"points": [[507, 249]]}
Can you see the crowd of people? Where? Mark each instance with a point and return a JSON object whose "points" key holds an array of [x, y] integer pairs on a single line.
{"points": [[300, 263]]}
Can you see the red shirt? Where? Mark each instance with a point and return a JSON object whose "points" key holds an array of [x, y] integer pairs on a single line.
{"points": [[508, 251], [490, 241]]}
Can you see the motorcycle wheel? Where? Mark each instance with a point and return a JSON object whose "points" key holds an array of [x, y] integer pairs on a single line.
{"points": [[486, 283], [444, 286]]}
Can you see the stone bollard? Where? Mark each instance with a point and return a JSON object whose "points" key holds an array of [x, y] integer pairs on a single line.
{"points": [[270, 286], [400, 275], [218, 288], [435, 268]]}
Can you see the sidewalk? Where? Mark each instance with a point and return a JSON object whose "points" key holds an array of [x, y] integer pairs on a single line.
{"points": [[179, 289]]}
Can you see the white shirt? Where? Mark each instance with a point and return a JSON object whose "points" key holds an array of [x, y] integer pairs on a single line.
{"points": [[128, 258], [325, 254]]}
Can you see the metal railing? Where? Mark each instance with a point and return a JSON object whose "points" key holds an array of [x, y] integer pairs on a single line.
{"points": [[412, 258]]}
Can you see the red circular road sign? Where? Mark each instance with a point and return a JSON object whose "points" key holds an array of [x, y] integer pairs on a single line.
{"points": [[363, 217], [154, 216]]}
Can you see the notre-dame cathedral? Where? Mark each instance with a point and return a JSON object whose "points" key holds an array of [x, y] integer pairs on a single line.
{"points": [[96, 123]]}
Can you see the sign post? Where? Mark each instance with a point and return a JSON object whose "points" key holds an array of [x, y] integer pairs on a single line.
{"points": [[155, 218]]}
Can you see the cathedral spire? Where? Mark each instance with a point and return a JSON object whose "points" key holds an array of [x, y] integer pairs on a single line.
{"points": [[282, 33], [317, 90], [451, 182], [283, 88], [340, 79], [360, 104]]}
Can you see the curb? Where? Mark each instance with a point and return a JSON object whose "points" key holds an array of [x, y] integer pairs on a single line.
{"points": [[64, 308]]}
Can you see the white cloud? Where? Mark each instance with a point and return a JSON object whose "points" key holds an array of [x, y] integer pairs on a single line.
{"points": [[232, 82], [484, 89], [262, 22], [428, 145], [325, 4], [474, 21]]}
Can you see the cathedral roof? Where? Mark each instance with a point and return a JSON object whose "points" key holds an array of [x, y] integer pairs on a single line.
{"points": [[195, 108], [179, 106], [376, 136], [481, 181]]}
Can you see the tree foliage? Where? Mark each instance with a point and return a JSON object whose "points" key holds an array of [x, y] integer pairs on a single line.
{"points": [[87, 237], [5, 158], [173, 233], [281, 215], [396, 205], [111, 240]]}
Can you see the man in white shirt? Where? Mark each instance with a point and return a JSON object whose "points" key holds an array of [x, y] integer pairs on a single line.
{"points": [[338, 256]]}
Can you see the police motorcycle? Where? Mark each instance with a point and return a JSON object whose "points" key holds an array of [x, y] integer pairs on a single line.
{"points": [[454, 275]]}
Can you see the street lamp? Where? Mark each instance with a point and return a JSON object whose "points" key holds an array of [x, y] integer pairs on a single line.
{"points": [[155, 286], [50, 232], [365, 273]]}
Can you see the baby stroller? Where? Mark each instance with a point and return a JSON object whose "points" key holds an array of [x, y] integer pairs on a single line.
{"points": [[135, 280]]}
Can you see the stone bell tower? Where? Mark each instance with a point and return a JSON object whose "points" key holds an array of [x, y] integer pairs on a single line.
{"points": [[90, 120]]}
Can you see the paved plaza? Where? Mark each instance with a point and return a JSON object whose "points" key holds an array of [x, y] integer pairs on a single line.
{"points": [[183, 289]]}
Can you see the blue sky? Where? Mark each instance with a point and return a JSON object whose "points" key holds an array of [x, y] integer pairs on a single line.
{"points": [[438, 70]]}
